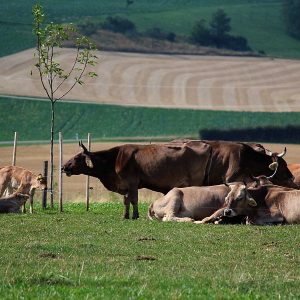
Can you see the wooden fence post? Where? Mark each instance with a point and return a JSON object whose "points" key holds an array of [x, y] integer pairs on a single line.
{"points": [[60, 172], [45, 174], [15, 149], [87, 189]]}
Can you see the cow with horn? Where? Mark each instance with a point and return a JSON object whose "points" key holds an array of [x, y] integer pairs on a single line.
{"points": [[160, 167]]}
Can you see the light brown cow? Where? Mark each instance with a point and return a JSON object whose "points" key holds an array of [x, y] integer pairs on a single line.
{"points": [[12, 203], [295, 170], [267, 204], [17, 179], [194, 203]]}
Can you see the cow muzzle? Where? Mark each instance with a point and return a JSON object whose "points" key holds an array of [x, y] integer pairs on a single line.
{"points": [[228, 212], [66, 170]]}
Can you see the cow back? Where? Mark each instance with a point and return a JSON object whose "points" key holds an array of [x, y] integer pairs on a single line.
{"points": [[162, 167]]}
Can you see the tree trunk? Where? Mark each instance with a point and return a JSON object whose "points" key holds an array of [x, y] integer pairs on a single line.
{"points": [[51, 154]]}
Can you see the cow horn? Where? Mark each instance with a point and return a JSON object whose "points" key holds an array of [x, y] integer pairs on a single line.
{"points": [[282, 153], [271, 176], [268, 152], [83, 147], [273, 166]]}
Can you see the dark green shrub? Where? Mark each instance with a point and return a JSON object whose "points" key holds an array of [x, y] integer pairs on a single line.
{"points": [[118, 24]]}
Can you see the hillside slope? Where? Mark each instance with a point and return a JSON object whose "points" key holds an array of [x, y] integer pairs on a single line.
{"points": [[196, 82], [259, 21]]}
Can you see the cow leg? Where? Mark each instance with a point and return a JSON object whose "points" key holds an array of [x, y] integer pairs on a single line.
{"points": [[178, 219], [31, 204], [126, 207], [24, 208], [215, 216], [133, 196], [2, 187], [172, 209], [31, 194]]}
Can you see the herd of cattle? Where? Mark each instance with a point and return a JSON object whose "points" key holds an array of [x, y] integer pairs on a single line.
{"points": [[202, 181]]}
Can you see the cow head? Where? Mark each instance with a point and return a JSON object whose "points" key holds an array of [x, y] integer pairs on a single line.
{"points": [[281, 174], [259, 181], [81, 163], [40, 182], [237, 200]]}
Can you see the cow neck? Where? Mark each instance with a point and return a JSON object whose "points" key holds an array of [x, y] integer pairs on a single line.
{"points": [[259, 194], [104, 166], [257, 162]]}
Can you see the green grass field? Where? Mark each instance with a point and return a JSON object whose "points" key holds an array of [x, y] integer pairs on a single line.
{"points": [[259, 21], [97, 255], [31, 118]]}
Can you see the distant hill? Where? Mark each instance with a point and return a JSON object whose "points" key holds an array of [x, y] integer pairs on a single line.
{"points": [[260, 22]]}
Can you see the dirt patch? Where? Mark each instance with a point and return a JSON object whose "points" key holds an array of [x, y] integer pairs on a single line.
{"points": [[48, 255], [145, 257]]}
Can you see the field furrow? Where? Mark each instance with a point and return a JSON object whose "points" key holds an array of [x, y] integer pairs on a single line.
{"points": [[178, 81]]}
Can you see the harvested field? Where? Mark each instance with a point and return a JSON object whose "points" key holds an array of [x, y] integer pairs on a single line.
{"points": [[32, 157], [181, 81]]}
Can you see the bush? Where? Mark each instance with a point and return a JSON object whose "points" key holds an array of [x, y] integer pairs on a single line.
{"points": [[157, 33], [200, 34], [88, 28], [236, 43], [118, 24]]}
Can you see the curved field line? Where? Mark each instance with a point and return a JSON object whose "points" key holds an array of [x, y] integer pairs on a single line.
{"points": [[197, 82]]}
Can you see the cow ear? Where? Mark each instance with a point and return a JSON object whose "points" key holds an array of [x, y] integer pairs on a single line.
{"points": [[89, 162], [252, 202], [124, 156]]}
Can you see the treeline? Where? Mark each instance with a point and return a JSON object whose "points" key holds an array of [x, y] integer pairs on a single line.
{"points": [[216, 35], [270, 134], [124, 26], [291, 15]]}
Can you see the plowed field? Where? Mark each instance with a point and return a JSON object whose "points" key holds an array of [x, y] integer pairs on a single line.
{"points": [[200, 82]]}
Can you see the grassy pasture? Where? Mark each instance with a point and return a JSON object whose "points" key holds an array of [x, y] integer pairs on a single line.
{"points": [[112, 121], [97, 255], [259, 21]]}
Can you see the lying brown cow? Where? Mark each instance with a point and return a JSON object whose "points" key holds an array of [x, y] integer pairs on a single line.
{"points": [[12, 203], [195, 203], [17, 179], [267, 204], [127, 168]]}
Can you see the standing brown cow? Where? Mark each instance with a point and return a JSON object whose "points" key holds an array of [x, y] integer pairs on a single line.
{"points": [[160, 167], [17, 179]]}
